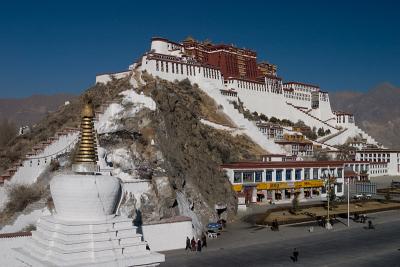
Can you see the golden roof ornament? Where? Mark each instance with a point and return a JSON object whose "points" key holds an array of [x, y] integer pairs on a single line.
{"points": [[85, 160]]}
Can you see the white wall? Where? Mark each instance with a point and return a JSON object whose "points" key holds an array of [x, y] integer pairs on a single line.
{"points": [[167, 236], [7, 254], [105, 78], [352, 131]]}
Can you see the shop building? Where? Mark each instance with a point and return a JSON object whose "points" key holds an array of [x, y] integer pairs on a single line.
{"points": [[273, 181]]}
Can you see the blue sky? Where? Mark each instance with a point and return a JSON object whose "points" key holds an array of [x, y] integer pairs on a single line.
{"points": [[58, 46]]}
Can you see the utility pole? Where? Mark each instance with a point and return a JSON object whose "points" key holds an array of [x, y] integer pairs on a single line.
{"points": [[328, 191], [348, 202]]}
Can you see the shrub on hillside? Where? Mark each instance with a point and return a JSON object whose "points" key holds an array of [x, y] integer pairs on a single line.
{"points": [[8, 130], [263, 117], [20, 196]]}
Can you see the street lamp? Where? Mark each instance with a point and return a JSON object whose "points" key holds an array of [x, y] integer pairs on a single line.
{"points": [[348, 202], [329, 180]]}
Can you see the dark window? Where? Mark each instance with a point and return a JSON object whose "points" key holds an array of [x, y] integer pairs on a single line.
{"points": [[288, 174], [315, 174], [258, 177], [306, 174], [237, 177], [297, 174], [340, 173], [268, 176], [279, 175], [248, 177]]}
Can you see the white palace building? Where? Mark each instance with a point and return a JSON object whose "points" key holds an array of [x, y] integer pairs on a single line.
{"points": [[235, 73]]}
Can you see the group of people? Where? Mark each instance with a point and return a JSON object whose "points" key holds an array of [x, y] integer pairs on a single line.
{"points": [[193, 245], [360, 218], [275, 225]]}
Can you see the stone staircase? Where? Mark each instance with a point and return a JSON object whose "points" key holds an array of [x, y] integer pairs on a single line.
{"points": [[35, 157], [37, 150], [311, 116], [330, 136]]}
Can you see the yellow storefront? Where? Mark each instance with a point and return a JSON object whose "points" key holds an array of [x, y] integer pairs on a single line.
{"points": [[284, 190]]}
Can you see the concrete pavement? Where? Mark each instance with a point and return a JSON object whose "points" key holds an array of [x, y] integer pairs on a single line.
{"points": [[246, 245]]}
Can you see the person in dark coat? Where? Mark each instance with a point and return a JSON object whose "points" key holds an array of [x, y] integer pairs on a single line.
{"points": [[295, 255], [204, 240], [187, 243], [193, 244], [199, 245]]}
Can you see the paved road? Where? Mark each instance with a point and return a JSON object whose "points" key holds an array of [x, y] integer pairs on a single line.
{"points": [[249, 246]]}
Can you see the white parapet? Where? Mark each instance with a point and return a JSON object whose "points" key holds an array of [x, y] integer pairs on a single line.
{"points": [[168, 234], [106, 77]]}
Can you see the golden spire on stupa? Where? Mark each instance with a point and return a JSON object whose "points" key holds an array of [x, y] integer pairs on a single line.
{"points": [[86, 155]]}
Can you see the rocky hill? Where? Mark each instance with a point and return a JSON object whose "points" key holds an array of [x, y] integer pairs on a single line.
{"points": [[30, 110], [169, 145], [376, 111]]}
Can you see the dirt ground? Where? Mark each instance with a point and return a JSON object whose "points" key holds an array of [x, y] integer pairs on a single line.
{"points": [[315, 212]]}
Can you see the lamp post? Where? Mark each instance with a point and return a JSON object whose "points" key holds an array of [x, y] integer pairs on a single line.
{"points": [[348, 202], [328, 188]]}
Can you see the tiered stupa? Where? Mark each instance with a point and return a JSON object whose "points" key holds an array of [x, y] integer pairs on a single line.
{"points": [[85, 230]]}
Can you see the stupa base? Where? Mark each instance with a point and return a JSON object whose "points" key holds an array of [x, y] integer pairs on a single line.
{"points": [[110, 242]]}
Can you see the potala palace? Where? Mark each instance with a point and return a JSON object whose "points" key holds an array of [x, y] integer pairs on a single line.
{"points": [[233, 75], [276, 115], [236, 74]]}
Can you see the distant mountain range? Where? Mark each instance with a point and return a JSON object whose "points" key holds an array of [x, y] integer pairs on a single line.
{"points": [[376, 111], [30, 110]]}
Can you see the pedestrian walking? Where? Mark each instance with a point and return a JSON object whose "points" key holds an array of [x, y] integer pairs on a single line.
{"points": [[295, 255], [187, 243], [204, 240], [370, 226], [193, 244], [198, 245]]}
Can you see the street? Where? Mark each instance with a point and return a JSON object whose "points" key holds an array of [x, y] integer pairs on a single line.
{"points": [[245, 245]]}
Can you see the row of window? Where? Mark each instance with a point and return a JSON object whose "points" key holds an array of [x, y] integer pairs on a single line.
{"points": [[178, 68], [300, 87], [299, 174], [252, 86], [297, 97], [342, 119], [382, 171], [379, 155], [225, 93]]}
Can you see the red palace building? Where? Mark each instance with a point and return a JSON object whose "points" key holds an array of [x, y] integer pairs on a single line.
{"points": [[232, 61]]}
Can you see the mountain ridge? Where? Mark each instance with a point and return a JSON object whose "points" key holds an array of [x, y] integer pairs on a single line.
{"points": [[376, 111], [30, 110]]}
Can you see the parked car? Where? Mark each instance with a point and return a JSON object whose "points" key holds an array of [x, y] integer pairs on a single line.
{"points": [[367, 196], [340, 199], [358, 196], [214, 227]]}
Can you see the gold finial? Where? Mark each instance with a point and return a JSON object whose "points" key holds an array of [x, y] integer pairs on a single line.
{"points": [[86, 155], [87, 110]]}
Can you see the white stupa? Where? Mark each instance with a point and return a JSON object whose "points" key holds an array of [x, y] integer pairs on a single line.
{"points": [[85, 230]]}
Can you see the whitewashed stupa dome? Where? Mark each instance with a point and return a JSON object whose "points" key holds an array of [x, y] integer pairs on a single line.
{"points": [[85, 197]]}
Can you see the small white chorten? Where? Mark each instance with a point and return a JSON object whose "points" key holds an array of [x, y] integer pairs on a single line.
{"points": [[85, 230]]}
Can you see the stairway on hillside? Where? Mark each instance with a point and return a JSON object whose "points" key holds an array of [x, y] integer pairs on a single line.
{"points": [[27, 166], [312, 116], [330, 136], [248, 127]]}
